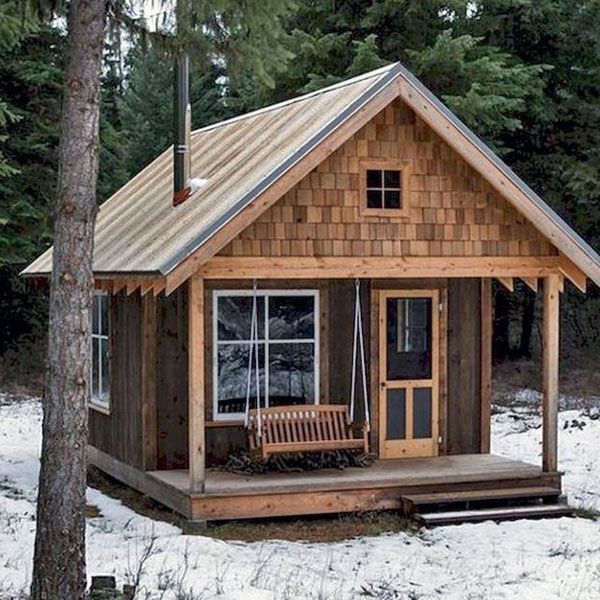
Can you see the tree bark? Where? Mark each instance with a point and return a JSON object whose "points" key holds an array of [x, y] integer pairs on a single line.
{"points": [[59, 559]]}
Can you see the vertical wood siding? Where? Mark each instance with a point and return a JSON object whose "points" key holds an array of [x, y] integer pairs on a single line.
{"points": [[172, 380], [120, 433], [464, 366]]}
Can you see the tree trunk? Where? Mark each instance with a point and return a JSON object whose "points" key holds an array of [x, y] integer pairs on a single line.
{"points": [[59, 560]]}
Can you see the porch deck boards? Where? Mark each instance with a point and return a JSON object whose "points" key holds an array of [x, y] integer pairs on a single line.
{"points": [[385, 485], [406, 472]]}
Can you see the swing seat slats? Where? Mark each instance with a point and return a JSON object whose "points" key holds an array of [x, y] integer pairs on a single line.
{"points": [[304, 428]]}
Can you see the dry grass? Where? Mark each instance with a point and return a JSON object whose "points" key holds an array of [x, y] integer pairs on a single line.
{"points": [[579, 380], [326, 528]]}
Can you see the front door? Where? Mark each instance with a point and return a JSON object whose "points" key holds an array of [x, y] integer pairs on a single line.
{"points": [[408, 373]]}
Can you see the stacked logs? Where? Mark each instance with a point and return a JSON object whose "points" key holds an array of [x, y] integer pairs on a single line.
{"points": [[243, 463]]}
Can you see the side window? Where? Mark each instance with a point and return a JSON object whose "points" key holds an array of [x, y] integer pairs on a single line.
{"points": [[99, 376], [384, 189]]}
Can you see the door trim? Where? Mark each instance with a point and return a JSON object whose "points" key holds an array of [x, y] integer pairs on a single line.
{"points": [[409, 446]]}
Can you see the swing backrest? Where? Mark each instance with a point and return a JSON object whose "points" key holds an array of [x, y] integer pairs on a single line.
{"points": [[302, 428]]}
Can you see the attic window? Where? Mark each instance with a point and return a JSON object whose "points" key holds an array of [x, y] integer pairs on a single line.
{"points": [[384, 189]]}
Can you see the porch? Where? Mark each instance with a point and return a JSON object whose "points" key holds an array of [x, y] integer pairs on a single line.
{"points": [[383, 486]]}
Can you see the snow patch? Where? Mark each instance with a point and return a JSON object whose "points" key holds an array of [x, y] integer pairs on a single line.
{"points": [[522, 559]]}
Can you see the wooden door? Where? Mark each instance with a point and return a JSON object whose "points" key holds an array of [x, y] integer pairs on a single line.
{"points": [[408, 373]]}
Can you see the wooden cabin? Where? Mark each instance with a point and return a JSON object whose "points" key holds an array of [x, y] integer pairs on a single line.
{"points": [[336, 247]]}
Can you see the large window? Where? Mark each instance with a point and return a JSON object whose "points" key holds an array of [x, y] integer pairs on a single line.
{"points": [[287, 349], [100, 390]]}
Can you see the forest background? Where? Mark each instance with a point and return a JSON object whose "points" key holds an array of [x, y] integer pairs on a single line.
{"points": [[523, 74]]}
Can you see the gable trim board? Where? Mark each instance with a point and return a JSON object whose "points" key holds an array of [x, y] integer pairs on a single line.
{"points": [[578, 259]]}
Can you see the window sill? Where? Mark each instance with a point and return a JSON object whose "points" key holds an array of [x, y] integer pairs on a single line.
{"points": [[385, 213], [105, 410]]}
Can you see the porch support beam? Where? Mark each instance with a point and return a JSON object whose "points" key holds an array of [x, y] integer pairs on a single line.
{"points": [[256, 267], [149, 414], [550, 354], [486, 363], [196, 383]]}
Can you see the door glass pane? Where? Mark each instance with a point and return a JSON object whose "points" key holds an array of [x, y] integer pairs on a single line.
{"points": [[233, 377], [235, 316], [409, 351], [396, 414], [421, 413], [291, 317], [291, 374]]}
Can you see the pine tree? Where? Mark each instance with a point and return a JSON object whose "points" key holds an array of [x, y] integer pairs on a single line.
{"points": [[489, 88], [113, 171], [31, 78], [147, 104]]}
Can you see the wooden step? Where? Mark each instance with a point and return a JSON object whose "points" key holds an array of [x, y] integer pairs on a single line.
{"points": [[508, 513], [414, 502]]}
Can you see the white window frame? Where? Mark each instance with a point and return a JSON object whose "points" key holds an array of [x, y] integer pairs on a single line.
{"points": [[97, 402], [265, 294]]}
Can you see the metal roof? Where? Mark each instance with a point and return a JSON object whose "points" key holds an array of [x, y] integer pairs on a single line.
{"points": [[139, 232]]}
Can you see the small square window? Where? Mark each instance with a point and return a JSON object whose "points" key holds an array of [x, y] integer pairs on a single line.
{"points": [[383, 189]]}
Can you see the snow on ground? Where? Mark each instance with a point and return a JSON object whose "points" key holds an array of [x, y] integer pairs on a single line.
{"points": [[522, 559]]}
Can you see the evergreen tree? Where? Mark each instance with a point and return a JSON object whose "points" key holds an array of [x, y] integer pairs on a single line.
{"points": [[113, 171], [487, 87], [31, 78], [147, 105]]}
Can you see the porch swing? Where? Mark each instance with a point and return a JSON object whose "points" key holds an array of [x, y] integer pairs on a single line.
{"points": [[307, 427]]}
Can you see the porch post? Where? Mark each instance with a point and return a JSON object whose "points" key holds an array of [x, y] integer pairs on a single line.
{"points": [[550, 354], [486, 363], [196, 382]]}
